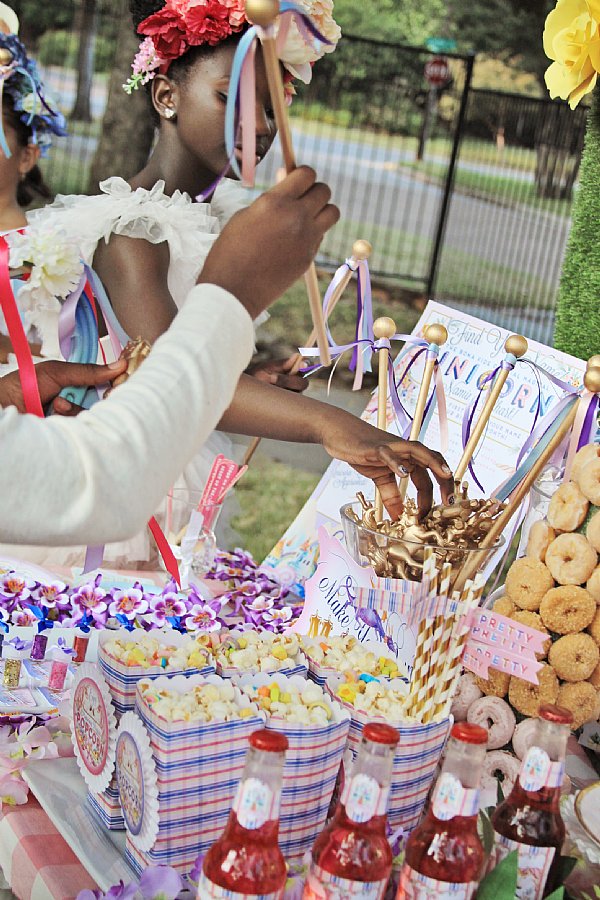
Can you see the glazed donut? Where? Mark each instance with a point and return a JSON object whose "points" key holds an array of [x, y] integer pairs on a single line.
{"points": [[594, 678], [527, 581], [499, 766], [571, 559], [568, 508], [504, 606], [581, 700], [592, 531], [467, 693], [567, 609], [588, 480], [584, 456], [523, 736], [533, 620], [574, 657], [526, 697], [495, 685], [497, 717], [541, 535], [593, 584], [594, 626]]}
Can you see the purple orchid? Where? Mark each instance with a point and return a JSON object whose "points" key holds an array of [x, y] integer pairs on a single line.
{"points": [[156, 883], [51, 595], [89, 600], [128, 603], [204, 617]]}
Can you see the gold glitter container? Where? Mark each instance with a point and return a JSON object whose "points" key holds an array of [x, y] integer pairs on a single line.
{"points": [[12, 673]]}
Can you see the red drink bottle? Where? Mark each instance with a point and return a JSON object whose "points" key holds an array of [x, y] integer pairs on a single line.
{"points": [[444, 854], [246, 861], [529, 819], [352, 856]]}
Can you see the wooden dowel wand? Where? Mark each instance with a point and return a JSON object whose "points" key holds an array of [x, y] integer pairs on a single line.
{"points": [[383, 327]]}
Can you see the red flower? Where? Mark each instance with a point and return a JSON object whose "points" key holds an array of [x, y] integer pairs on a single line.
{"points": [[166, 29], [207, 24], [182, 24]]}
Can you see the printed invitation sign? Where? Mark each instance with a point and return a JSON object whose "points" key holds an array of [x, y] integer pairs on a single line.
{"points": [[93, 727], [137, 782]]}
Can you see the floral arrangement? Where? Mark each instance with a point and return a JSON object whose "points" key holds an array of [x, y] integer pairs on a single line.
{"points": [[54, 264], [22, 739]]}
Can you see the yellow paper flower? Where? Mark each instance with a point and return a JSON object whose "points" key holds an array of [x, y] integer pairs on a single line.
{"points": [[572, 40]]}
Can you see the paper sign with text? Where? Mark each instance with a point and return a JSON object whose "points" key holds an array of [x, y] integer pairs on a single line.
{"points": [[500, 643]]}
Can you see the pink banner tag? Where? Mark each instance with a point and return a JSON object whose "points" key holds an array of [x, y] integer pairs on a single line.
{"points": [[223, 475], [504, 634], [478, 658]]}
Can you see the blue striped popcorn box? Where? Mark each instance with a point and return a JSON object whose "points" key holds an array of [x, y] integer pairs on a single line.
{"points": [[320, 673], [415, 762], [312, 764], [107, 807], [198, 766], [298, 664]]}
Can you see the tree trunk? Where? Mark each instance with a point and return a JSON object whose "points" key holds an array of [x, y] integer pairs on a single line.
{"points": [[127, 128], [82, 111], [578, 312]]}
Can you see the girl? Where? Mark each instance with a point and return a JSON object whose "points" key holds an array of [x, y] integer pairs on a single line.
{"points": [[148, 241]]}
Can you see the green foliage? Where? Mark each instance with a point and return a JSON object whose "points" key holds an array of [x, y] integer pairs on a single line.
{"points": [[389, 20], [59, 48], [501, 882]]}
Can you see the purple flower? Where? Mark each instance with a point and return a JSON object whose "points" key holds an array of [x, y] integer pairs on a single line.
{"points": [[260, 604], [88, 600], [51, 595], [15, 589], [156, 883], [203, 617], [167, 606], [278, 616], [23, 617], [128, 603]]}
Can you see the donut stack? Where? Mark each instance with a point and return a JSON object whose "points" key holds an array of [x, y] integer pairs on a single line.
{"points": [[555, 588]]}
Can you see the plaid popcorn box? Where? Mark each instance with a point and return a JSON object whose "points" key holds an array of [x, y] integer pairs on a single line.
{"points": [[198, 766], [312, 764], [415, 761], [298, 664], [320, 674]]}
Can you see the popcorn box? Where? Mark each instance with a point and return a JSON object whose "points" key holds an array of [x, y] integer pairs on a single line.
{"points": [[417, 755], [299, 665], [122, 680], [320, 674], [198, 766], [107, 807], [311, 768]]}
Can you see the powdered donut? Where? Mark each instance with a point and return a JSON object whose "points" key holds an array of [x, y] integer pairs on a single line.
{"points": [[571, 559], [526, 697], [581, 700], [540, 537], [499, 766], [495, 685], [588, 481], [496, 716], [593, 584], [523, 736], [574, 657], [584, 456], [527, 581], [466, 694], [592, 531], [594, 678], [504, 606], [594, 626], [567, 609], [568, 508], [533, 620]]}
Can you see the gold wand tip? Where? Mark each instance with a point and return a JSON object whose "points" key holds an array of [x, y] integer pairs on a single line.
{"points": [[262, 12], [384, 327]]}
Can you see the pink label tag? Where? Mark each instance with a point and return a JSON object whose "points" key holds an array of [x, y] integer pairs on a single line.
{"points": [[503, 644], [223, 475], [478, 658]]}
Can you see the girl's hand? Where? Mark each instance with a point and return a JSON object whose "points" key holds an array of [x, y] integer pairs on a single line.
{"points": [[54, 375], [280, 373]]}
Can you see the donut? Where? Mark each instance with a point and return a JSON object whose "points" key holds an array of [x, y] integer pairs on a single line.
{"points": [[592, 531], [499, 766], [567, 609], [541, 535], [574, 657], [568, 508], [527, 581], [504, 606], [571, 559], [584, 456], [588, 480], [581, 700], [496, 716], [593, 584], [594, 678], [523, 736], [526, 697], [594, 626], [467, 693], [533, 620], [495, 685]]}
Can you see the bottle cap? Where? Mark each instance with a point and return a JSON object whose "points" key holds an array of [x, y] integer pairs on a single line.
{"points": [[557, 714], [271, 741], [469, 733], [381, 734]]}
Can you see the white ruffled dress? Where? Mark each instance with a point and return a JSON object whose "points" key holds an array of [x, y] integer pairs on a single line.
{"points": [[189, 229]]}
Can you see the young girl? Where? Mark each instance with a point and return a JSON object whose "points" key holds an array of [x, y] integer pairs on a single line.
{"points": [[148, 241]]}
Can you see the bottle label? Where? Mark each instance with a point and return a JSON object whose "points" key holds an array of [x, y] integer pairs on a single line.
{"points": [[534, 865], [363, 798], [414, 886], [537, 771], [255, 803], [451, 799], [207, 890], [322, 885]]}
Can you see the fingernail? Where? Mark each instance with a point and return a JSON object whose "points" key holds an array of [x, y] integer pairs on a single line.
{"points": [[446, 470], [451, 500], [116, 365]]}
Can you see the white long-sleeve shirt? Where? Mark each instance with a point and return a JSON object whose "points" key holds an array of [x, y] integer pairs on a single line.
{"points": [[99, 477]]}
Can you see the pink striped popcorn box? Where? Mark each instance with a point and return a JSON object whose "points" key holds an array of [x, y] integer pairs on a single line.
{"points": [[297, 664], [415, 762], [320, 673], [312, 763], [198, 766], [107, 807]]}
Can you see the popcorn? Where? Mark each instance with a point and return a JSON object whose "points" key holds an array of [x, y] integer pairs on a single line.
{"points": [[147, 652], [346, 654], [299, 706], [261, 652], [378, 699], [203, 703]]}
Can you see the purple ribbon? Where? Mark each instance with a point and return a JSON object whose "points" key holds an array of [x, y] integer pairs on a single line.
{"points": [[66, 318]]}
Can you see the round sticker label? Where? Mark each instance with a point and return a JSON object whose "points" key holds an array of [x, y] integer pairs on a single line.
{"points": [[90, 725], [130, 779]]}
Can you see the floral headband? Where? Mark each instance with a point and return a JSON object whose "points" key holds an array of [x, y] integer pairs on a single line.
{"points": [[182, 24], [20, 79]]}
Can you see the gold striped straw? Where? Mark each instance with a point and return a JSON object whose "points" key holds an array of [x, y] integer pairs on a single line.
{"points": [[443, 630], [425, 637]]}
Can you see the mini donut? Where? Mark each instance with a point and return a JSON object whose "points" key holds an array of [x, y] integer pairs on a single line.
{"points": [[527, 581], [567, 609], [466, 694], [574, 657], [526, 697], [594, 626], [541, 535], [533, 620], [588, 480], [495, 685], [504, 606], [592, 531], [581, 700], [584, 456], [499, 766], [594, 678], [568, 508], [571, 558], [524, 736], [496, 716], [593, 584]]}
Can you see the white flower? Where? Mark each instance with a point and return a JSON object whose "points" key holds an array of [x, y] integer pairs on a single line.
{"points": [[297, 54], [56, 266], [30, 103]]}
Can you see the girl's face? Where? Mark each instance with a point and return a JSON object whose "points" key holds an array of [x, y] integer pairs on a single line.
{"points": [[21, 161]]}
